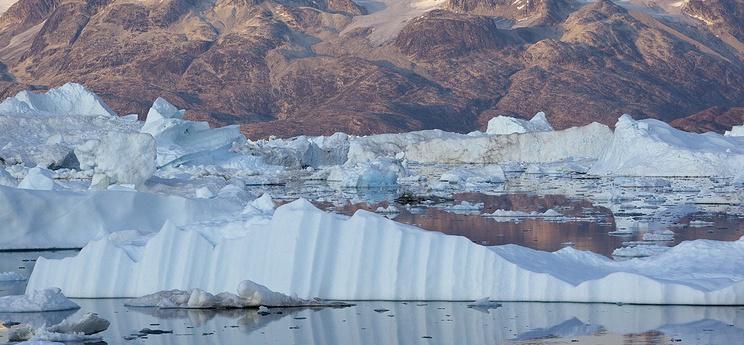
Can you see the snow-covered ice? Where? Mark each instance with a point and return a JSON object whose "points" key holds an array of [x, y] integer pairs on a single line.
{"points": [[47, 299], [736, 131], [308, 252], [653, 148], [37, 178], [509, 125], [68, 99]]}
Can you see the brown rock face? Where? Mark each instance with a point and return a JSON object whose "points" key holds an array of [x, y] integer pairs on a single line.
{"points": [[714, 119], [288, 67]]}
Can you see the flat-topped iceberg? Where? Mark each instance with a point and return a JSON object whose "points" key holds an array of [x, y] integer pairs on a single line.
{"points": [[306, 252], [653, 148], [509, 125], [68, 99], [588, 141]]}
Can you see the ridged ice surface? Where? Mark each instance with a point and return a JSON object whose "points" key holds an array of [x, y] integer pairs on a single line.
{"points": [[311, 253]]}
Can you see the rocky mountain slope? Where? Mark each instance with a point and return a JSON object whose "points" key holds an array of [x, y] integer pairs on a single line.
{"points": [[285, 67]]}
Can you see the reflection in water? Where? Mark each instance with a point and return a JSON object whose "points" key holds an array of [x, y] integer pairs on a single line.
{"points": [[431, 323], [585, 226]]}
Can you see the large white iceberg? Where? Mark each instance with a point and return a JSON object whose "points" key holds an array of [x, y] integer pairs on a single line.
{"points": [[68, 99], [509, 125], [308, 252], [61, 219], [588, 141], [653, 148]]}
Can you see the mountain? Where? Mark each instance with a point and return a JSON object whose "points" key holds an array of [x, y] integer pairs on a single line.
{"points": [[288, 67]]}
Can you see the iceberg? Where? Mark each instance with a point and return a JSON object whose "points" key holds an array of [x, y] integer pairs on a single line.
{"points": [[62, 219], [179, 138], [586, 142], [510, 125], [736, 131], [49, 299], [653, 148], [68, 99], [306, 252], [120, 158], [379, 173], [474, 174]]}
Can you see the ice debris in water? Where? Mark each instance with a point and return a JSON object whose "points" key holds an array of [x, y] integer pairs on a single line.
{"points": [[48, 299], [81, 329], [249, 295]]}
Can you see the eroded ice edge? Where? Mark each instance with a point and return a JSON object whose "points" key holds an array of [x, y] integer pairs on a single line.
{"points": [[164, 203]]}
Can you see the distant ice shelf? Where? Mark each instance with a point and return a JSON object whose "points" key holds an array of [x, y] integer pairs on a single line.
{"points": [[306, 252]]}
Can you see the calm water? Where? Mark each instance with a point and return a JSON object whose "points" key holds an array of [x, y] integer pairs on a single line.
{"points": [[418, 323]]}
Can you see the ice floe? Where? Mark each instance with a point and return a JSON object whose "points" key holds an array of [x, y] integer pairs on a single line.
{"points": [[736, 131], [308, 252], [80, 329]]}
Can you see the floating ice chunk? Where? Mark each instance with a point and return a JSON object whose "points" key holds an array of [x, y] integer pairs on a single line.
{"points": [[45, 335], [509, 125], [392, 261], [10, 276], [387, 210], [551, 213], [736, 131], [474, 174], [48, 299], [20, 333], [465, 207], [68, 99], [639, 251], [123, 158], [559, 168], [484, 303], [88, 323], [664, 236], [37, 178], [653, 148], [249, 295], [371, 174]]}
